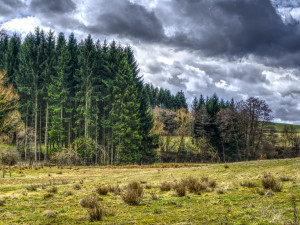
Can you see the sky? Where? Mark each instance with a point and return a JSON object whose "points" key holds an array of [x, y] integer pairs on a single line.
{"points": [[234, 48]]}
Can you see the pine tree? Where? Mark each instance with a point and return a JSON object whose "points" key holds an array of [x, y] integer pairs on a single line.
{"points": [[12, 58], [126, 116], [58, 94]]}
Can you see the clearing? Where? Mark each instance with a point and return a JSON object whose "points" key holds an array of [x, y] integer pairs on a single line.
{"points": [[228, 203]]}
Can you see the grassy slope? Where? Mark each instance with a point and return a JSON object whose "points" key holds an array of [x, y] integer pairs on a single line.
{"points": [[239, 205], [280, 126]]}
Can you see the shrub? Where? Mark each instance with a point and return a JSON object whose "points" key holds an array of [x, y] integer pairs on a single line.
{"points": [[260, 191], [32, 188], [248, 184], [9, 158], [180, 190], [204, 179], [133, 194], [96, 213], [154, 196], [48, 195], [221, 191], [269, 182], [285, 178], [50, 213], [2, 202], [76, 187], [165, 186], [53, 189], [68, 157], [88, 202], [102, 190], [212, 184], [114, 189], [68, 193]]}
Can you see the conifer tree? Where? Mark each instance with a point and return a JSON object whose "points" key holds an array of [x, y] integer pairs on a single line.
{"points": [[126, 116]]}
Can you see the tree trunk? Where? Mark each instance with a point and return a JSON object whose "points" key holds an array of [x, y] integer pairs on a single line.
{"points": [[26, 130], [46, 132], [35, 126], [40, 137]]}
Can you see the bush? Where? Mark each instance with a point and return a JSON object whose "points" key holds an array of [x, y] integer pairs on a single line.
{"points": [[212, 184], [180, 190], [285, 178], [114, 189], [68, 157], [165, 186], [133, 194], [68, 193], [2, 202], [269, 182], [53, 189], [88, 202], [76, 187], [94, 209], [50, 213], [9, 158], [248, 184], [48, 195], [154, 196], [32, 188], [96, 213], [102, 190]]}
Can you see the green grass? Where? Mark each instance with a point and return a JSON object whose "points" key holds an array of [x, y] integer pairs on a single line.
{"points": [[238, 204], [280, 126]]}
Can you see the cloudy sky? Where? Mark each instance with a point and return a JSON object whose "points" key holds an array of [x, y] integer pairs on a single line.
{"points": [[235, 48]]}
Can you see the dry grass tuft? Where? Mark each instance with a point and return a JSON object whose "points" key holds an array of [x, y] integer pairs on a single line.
{"points": [[148, 186], [2, 202], [102, 189], [285, 178], [48, 195], [154, 196], [114, 189], [96, 213], [165, 186], [212, 184], [53, 190], [133, 194], [68, 193], [248, 184], [32, 188], [269, 182], [88, 202], [180, 190], [76, 187], [50, 213]]}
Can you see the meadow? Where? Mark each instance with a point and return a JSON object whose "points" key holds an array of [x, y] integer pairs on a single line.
{"points": [[227, 194]]}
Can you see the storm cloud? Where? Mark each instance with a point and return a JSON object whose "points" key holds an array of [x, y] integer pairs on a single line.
{"points": [[235, 48]]}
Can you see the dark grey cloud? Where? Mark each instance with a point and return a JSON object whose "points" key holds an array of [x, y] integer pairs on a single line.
{"points": [[10, 7], [127, 19], [231, 28], [56, 7]]}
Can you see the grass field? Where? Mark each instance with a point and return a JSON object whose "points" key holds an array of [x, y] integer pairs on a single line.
{"points": [[228, 203], [280, 126]]}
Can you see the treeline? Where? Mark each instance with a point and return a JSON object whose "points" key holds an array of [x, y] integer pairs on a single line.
{"points": [[218, 130], [86, 102], [87, 96]]}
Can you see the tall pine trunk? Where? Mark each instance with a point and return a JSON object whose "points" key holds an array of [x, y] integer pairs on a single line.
{"points": [[35, 125], [46, 131]]}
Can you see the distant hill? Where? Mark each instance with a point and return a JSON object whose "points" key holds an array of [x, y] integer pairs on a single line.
{"points": [[280, 126]]}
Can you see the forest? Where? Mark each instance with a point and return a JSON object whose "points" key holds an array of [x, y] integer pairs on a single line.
{"points": [[85, 102]]}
